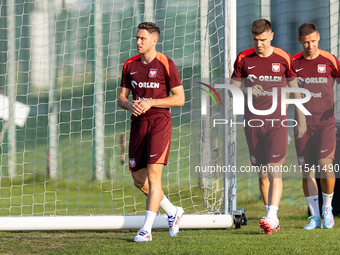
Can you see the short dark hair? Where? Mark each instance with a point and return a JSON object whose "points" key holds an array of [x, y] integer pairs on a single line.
{"points": [[150, 27], [260, 25], [306, 29]]}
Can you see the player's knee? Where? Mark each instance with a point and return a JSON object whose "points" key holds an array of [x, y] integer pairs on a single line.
{"points": [[142, 186], [154, 178], [139, 184], [263, 181]]}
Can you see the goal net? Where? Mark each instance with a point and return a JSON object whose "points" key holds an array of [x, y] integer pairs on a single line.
{"points": [[61, 61]]}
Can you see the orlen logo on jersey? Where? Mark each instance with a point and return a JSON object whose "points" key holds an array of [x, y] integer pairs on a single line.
{"points": [[321, 68], [251, 77], [151, 85], [312, 80]]}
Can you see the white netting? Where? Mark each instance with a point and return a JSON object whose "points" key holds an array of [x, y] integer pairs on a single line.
{"points": [[285, 16], [64, 59], [67, 57]]}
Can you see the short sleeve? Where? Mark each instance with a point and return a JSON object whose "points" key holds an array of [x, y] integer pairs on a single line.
{"points": [[173, 80], [125, 82], [237, 73]]}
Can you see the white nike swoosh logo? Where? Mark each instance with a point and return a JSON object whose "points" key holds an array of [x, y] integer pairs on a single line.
{"points": [[251, 67], [132, 73], [275, 156], [151, 156], [322, 151], [298, 70]]}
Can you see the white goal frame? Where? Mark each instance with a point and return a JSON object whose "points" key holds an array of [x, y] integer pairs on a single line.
{"points": [[108, 222]]}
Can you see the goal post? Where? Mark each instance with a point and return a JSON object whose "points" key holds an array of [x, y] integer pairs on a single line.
{"points": [[230, 9], [71, 155]]}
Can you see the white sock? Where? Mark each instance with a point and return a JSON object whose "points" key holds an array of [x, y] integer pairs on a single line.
{"points": [[313, 205], [149, 219], [266, 207], [327, 200], [272, 211], [167, 206]]}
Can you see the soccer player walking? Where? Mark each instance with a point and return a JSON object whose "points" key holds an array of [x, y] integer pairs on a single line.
{"points": [[266, 67], [150, 76], [316, 70]]}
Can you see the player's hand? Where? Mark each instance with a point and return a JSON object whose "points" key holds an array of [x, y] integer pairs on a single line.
{"points": [[300, 129], [257, 89], [135, 108], [145, 105]]}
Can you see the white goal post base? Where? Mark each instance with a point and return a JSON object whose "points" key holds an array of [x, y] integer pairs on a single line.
{"points": [[41, 223]]}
